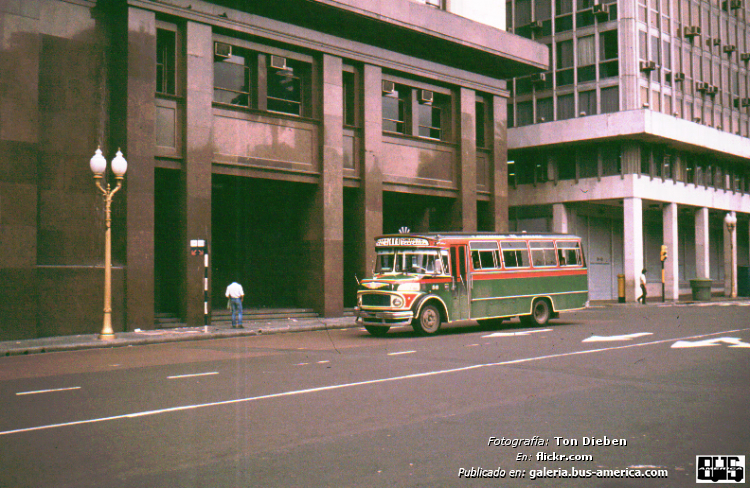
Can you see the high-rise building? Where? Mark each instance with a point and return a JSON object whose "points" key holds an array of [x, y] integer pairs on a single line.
{"points": [[636, 137]]}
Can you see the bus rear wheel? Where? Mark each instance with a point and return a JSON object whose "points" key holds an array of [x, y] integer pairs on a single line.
{"points": [[377, 330], [428, 322], [540, 313]]}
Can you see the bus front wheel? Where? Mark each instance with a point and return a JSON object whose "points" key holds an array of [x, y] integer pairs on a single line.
{"points": [[429, 320], [540, 313]]}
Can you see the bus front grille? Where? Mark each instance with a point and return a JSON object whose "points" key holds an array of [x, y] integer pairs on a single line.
{"points": [[376, 300]]}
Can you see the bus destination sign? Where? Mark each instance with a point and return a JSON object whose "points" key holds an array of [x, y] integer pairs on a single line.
{"points": [[401, 241]]}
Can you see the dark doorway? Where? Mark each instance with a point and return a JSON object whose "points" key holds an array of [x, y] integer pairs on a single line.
{"points": [[352, 246], [418, 213], [258, 228], [168, 259]]}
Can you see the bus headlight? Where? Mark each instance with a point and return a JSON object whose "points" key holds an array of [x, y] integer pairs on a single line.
{"points": [[397, 302], [408, 287]]}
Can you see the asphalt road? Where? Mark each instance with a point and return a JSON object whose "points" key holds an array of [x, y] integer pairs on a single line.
{"points": [[341, 408]]}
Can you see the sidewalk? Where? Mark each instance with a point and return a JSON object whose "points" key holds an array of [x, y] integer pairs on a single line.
{"points": [[158, 336], [253, 328]]}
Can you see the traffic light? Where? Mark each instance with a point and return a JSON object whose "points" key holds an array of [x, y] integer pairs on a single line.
{"points": [[663, 252]]}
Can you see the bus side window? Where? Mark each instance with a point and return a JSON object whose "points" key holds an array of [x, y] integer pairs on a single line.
{"points": [[475, 261], [515, 254], [569, 254]]}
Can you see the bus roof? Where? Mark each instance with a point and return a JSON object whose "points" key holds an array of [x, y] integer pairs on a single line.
{"points": [[480, 235]]}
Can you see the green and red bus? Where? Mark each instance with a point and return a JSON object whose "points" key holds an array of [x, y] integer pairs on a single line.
{"points": [[426, 280]]}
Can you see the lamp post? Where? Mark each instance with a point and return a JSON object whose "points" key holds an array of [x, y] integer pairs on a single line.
{"points": [[98, 167], [731, 222]]}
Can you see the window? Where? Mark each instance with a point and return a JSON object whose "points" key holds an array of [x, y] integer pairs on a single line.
{"points": [[588, 161], [232, 78], [481, 127], [608, 54], [394, 115], [515, 254], [565, 63], [610, 99], [525, 113], [566, 165], [350, 117], [544, 110], [586, 59], [565, 107], [430, 121], [542, 253], [611, 160], [569, 253], [484, 255], [286, 88], [587, 102], [165, 62], [564, 15]]}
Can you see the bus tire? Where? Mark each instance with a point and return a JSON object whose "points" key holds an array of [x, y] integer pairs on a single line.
{"points": [[541, 311], [377, 330], [428, 322]]}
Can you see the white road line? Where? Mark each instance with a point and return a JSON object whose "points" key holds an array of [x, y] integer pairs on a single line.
{"points": [[625, 337], [515, 334], [323, 362], [391, 379], [21, 393], [400, 352], [193, 375]]}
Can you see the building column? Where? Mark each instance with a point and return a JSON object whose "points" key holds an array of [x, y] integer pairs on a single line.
{"points": [[370, 205], [702, 261], [197, 166], [140, 127], [327, 238], [560, 219], [499, 165], [465, 208], [632, 246], [671, 270]]}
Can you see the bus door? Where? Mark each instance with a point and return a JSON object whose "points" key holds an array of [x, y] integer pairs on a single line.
{"points": [[460, 287]]}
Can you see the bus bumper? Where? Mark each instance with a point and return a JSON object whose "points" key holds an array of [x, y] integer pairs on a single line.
{"points": [[384, 317]]}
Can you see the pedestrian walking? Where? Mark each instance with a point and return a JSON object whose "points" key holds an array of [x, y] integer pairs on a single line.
{"points": [[642, 298], [235, 294]]}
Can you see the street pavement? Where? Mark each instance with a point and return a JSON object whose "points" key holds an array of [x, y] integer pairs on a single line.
{"points": [[251, 328]]}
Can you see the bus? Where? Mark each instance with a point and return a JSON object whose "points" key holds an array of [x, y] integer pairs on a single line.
{"points": [[428, 279]]}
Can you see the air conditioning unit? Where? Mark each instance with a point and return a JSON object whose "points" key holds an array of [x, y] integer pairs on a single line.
{"points": [[691, 31], [601, 9], [539, 78], [679, 77], [536, 25], [745, 102], [648, 66], [389, 87], [745, 57], [426, 96], [735, 4], [278, 62], [702, 86], [222, 50], [730, 48], [712, 90], [713, 42]]}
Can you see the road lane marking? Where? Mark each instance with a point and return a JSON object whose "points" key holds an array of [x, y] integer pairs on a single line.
{"points": [[400, 352], [391, 379], [192, 375], [53, 390], [625, 337], [515, 334], [731, 341]]}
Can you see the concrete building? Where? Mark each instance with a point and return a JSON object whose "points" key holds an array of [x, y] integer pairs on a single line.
{"points": [[636, 137], [286, 134]]}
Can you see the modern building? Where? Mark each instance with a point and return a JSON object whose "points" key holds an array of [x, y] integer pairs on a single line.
{"points": [[636, 137], [285, 134]]}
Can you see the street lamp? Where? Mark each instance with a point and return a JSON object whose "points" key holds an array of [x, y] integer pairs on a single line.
{"points": [[731, 221], [98, 167]]}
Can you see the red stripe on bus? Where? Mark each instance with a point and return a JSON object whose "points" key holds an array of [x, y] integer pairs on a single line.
{"points": [[503, 275]]}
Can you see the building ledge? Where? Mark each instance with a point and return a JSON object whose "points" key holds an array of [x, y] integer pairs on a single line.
{"points": [[644, 124]]}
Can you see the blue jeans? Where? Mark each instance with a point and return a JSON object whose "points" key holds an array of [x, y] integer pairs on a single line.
{"points": [[236, 312]]}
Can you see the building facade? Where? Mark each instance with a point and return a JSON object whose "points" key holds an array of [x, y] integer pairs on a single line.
{"points": [[636, 137], [285, 134]]}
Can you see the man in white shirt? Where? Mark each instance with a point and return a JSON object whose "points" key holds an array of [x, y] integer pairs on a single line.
{"points": [[235, 294], [642, 298]]}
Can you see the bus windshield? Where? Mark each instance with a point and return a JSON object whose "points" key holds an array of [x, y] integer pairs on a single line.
{"points": [[415, 260]]}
